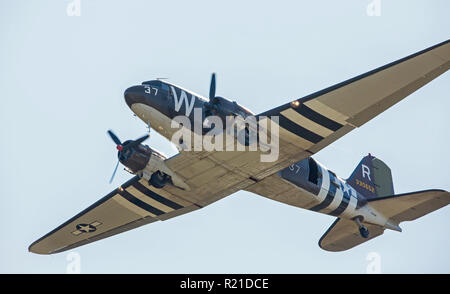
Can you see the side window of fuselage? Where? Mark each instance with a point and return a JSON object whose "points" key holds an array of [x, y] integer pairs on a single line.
{"points": [[165, 91], [334, 180], [313, 171]]}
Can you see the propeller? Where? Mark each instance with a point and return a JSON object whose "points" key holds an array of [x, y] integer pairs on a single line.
{"points": [[212, 106], [122, 147], [212, 86], [114, 172], [114, 138], [218, 105]]}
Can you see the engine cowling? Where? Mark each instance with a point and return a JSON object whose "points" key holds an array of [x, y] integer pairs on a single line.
{"points": [[223, 107], [146, 162], [138, 157]]}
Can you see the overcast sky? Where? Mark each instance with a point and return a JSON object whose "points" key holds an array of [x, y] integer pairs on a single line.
{"points": [[62, 80]]}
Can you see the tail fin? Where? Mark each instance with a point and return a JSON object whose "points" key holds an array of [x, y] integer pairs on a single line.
{"points": [[372, 178]]}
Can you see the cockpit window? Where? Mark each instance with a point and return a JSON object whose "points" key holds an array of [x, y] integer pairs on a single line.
{"points": [[155, 83], [313, 171], [158, 84], [164, 87]]}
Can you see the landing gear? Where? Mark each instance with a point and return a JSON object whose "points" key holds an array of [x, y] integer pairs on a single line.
{"points": [[364, 232], [362, 229], [158, 179]]}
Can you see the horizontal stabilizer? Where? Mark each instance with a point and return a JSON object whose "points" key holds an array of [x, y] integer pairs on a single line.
{"points": [[344, 234], [410, 206]]}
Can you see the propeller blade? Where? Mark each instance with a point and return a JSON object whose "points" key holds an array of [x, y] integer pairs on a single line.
{"points": [[114, 173], [136, 142], [114, 137], [142, 139], [212, 86]]}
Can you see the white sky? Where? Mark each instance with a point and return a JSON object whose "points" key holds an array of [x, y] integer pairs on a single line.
{"points": [[62, 80]]}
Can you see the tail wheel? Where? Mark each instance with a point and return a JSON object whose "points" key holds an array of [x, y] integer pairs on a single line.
{"points": [[362, 229], [364, 232], [158, 179]]}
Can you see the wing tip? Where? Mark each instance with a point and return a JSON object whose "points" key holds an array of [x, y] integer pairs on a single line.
{"points": [[332, 249], [35, 248], [325, 234]]}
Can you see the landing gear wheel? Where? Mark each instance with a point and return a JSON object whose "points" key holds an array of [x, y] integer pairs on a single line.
{"points": [[362, 229], [158, 180], [364, 232]]}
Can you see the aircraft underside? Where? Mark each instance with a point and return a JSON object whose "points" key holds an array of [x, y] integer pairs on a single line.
{"points": [[225, 148]]}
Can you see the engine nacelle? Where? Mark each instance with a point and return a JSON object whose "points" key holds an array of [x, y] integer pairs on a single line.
{"points": [[145, 161]]}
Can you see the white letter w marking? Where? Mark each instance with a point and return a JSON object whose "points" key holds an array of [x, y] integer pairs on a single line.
{"points": [[179, 102]]}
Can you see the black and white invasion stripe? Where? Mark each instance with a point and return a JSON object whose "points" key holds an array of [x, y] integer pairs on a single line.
{"points": [[332, 199]]}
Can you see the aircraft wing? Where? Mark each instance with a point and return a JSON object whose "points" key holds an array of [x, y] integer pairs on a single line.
{"points": [[309, 124], [315, 121], [131, 205], [136, 203]]}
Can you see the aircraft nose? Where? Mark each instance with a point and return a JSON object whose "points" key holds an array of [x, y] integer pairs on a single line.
{"points": [[135, 94]]}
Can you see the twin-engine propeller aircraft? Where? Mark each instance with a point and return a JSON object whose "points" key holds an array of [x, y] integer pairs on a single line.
{"points": [[365, 204]]}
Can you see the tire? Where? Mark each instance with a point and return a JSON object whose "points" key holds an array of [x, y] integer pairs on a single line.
{"points": [[158, 180], [364, 232]]}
